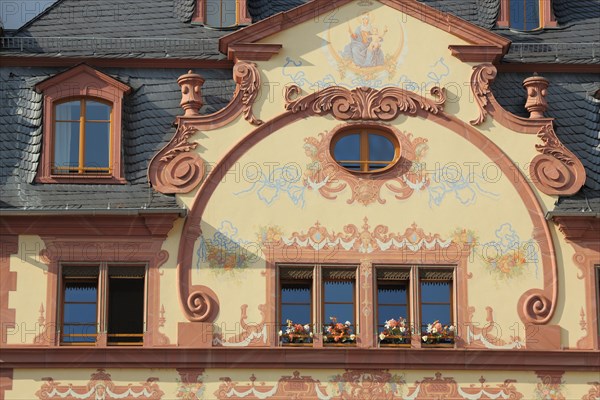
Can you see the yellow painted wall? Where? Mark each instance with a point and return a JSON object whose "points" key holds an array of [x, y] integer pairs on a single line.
{"points": [[308, 59]]}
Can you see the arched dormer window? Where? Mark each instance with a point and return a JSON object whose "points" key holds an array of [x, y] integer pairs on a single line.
{"points": [[221, 13], [526, 15], [81, 140]]}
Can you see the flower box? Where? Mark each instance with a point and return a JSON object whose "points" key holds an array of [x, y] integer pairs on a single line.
{"points": [[296, 334], [337, 333]]}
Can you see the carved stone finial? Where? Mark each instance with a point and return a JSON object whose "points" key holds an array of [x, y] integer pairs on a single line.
{"points": [[536, 96], [191, 93]]}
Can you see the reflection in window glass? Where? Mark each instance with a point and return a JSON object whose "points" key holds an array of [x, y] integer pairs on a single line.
{"points": [[436, 305], [221, 13], [364, 151], [524, 14], [79, 311], [339, 301], [82, 137], [392, 301], [296, 303]]}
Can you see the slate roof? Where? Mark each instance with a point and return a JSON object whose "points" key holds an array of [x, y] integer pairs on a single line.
{"points": [[138, 28], [167, 31], [149, 112]]}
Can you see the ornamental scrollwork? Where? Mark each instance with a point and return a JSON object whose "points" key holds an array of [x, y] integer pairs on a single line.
{"points": [[364, 103], [556, 171]]}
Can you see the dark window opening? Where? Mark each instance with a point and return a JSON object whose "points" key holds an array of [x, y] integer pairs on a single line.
{"points": [[126, 306]]}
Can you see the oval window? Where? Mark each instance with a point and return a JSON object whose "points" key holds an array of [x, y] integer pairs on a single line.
{"points": [[365, 150]]}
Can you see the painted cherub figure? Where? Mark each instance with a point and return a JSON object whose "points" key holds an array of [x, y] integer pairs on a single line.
{"points": [[376, 38]]}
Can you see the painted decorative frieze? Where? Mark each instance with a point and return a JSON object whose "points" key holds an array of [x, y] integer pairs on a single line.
{"points": [[190, 384], [324, 175], [365, 239], [593, 393], [364, 384], [100, 387], [287, 387], [550, 385]]}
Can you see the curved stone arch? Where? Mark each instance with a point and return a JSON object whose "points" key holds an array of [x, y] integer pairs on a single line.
{"points": [[535, 306]]}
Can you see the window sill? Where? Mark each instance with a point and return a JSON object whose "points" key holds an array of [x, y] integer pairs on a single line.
{"points": [[82, 179]]}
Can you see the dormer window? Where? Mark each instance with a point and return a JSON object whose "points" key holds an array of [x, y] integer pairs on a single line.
{"points": [[82, 136], [526, 15], [82, 128], [221, 13]]}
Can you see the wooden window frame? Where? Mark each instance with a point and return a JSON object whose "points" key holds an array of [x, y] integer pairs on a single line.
{"points": [[242, 14], [281, 283], [103, 291], [318, 301], [62, 303], [414, 320], [364, 132], [81, 169], [82, 82], [547, 17], [409, 304]]}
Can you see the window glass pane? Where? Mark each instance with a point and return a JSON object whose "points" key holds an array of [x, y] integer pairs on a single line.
{"points": [[343, 313], [125, 309], [213, 13], [380, 148], [96, 111], [81, 292], [430, 313], [299, 314], [69, 111], [385, 313], [228, 13], [66, 144], [347, 148], [79, 313], [97, 138], [392, 293], [435, 292], [524, 14], [295, 294], [339, 291]]}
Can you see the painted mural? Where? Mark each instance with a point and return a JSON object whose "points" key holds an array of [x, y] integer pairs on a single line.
{"points": [[100, 387], [364, 50], [363, 384]]}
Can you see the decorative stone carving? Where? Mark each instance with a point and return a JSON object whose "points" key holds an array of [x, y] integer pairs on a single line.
{"points": [[175, 168], [483, 76], [536, 96], [363, 103], [247, 77], [181, 170], [481, 79], [191, 93], [556, 171]]}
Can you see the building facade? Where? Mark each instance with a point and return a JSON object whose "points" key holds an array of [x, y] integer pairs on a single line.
{"points": [[340, 199]]}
